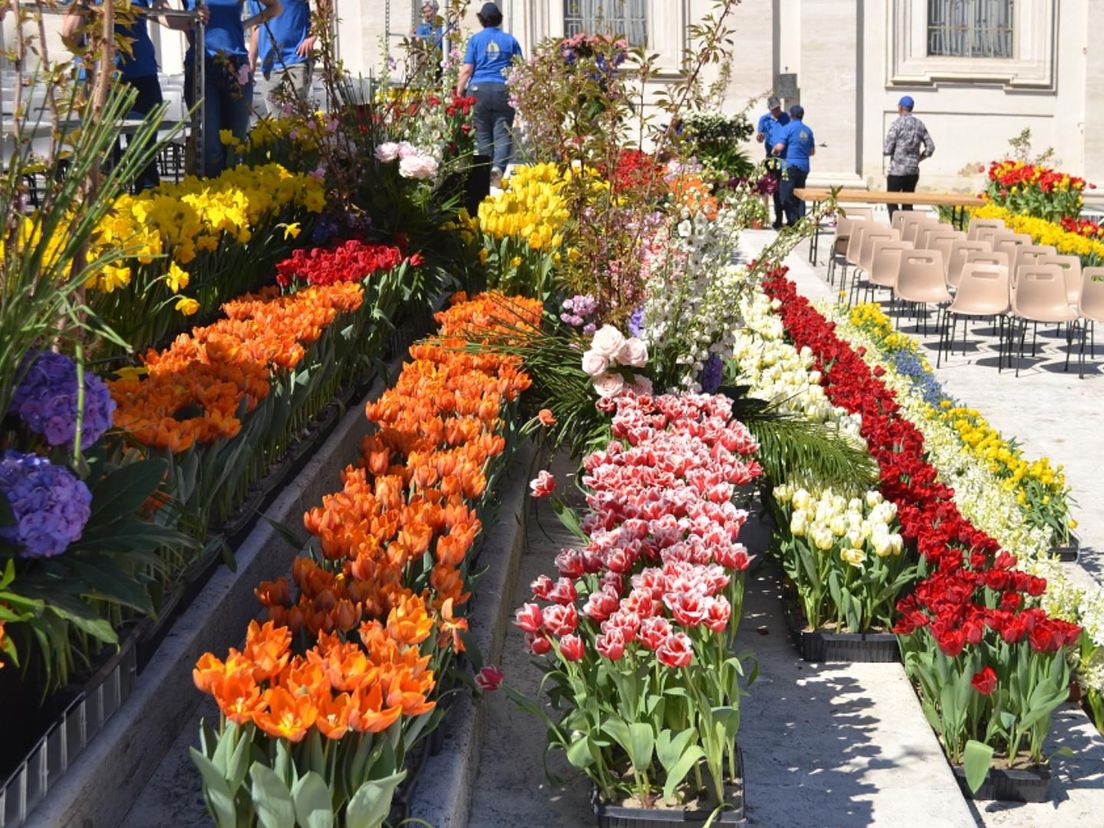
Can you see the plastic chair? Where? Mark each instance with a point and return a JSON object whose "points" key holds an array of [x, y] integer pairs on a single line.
{"points": [[992, 257], [843, 234], [912, 230], [978, 224], [871, 235], [1090, 307], [987, 234], [1028, 254], [854, 246], [885, 264], [1008, 242], [1040, 296], [956, 257], [930, 235], [983, 291], [903, 218], [921, 280], [1072, 267]]}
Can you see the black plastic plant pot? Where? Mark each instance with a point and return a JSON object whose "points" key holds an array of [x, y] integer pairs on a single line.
{"points": [[824, 646], [1030, 784], [622, 816], [1068, 553]]}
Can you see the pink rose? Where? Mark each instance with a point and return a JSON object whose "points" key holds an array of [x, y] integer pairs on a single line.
{"points": [[641, 385], [609, 384], [489, 678], [594, 363], [607, 341], [633, 352], [387, 152], [417, 166], [405, 149], [543, 485]]}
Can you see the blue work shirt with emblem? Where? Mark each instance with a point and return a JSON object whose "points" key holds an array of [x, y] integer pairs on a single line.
{"points": [[224, 31], [491, 52], [771, 128], [798, 142]]}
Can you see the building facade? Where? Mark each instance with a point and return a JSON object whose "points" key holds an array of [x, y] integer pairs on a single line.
{"points": [[980, 71]]}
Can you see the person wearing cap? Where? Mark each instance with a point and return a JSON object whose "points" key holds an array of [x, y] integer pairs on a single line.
{"points": [[771, 122], [795, 145], [283, 50], [907, 144], [488, 56]]}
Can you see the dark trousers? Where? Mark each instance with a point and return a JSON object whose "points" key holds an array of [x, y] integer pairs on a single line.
{"points": [[149, 97], [774, 170], [901, 184], [226, 105], [794, 206], [493, 119]]}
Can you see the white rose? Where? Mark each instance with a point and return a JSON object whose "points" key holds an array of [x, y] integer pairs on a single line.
{"points": [[387, 152], [607, 341], [634, 353], [405, 148], [418, 166], [594, 363], [609, 384]]}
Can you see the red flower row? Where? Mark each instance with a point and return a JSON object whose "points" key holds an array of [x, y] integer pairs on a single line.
{"points": [[1084, 227], [350, 261], [973, 585]]}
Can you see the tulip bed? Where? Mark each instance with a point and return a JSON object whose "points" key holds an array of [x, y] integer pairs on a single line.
{"points": [[331, 693], [639, 626], [991, 664]]}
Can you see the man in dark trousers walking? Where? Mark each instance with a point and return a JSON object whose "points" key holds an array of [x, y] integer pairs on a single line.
{"points": [[907, 144]]}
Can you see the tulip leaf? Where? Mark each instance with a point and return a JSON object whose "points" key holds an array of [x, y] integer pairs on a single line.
{"points": [[216, 791], [978, 758], [675, 775], [313, 808], [371, 804], [271, 798], [641, 745], [579, 753], [669, 748]]}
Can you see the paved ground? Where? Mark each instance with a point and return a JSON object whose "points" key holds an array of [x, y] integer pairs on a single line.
{"points": [[1051, 413]]}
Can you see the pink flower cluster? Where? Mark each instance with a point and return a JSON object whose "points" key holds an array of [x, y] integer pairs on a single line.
{"points": [[660, 569]]}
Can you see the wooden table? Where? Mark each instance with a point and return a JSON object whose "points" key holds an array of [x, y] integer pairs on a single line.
{"points": [[958, 202]]}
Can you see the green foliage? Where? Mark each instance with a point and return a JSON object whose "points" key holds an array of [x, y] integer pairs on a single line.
{"points": [[715, 139]]}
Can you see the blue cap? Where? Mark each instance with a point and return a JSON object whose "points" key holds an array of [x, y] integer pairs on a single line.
{"points": [[907, 102], [797, 111]]}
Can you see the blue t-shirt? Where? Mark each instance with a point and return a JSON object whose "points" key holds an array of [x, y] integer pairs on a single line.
{"points": [[143, 61], [771, 128], [798, 142], [430, 32], [224, 32], [491, 51], [278, 39]]}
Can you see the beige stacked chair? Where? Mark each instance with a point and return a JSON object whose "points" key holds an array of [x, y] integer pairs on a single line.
{"points": [[982, 292], [859, 229], [922, 280], [843, 234], [903, 218], [912, 230], [928, 236], [993, 257], [1008, 242], [1028, 254], [1040, 296], [988, 234], [979, 224], [885, 263], [956, 258], [1090, 307], [871, 235], [1071, 266]]}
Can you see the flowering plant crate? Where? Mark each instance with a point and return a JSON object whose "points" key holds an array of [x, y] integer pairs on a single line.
{"points": [[1030, 784], [821, 646], [639, 626]]}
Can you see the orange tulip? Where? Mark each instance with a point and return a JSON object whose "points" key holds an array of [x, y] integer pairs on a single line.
{"points": [[285, 716]]}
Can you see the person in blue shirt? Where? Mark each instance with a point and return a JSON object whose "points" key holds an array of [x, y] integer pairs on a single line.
{"points": [[282, 51], [137, 69], [431, 28], [488, 56], [770, 124], [795, 145], [227, 79]]}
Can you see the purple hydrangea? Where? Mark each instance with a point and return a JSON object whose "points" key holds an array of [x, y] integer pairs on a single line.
{"points": [[636, 322], [46, 400], [50, 505], [712, 374], [578, 309]]}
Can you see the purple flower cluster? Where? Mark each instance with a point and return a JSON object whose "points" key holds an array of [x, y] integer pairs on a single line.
{"points": [[577, 312], [712, 374], [50, 505], [46, 400], [636, 322]]}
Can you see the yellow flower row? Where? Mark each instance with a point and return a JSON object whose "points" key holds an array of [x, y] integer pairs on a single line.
{"points": [[1045, 232], [181, 220], [532, 208]]}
